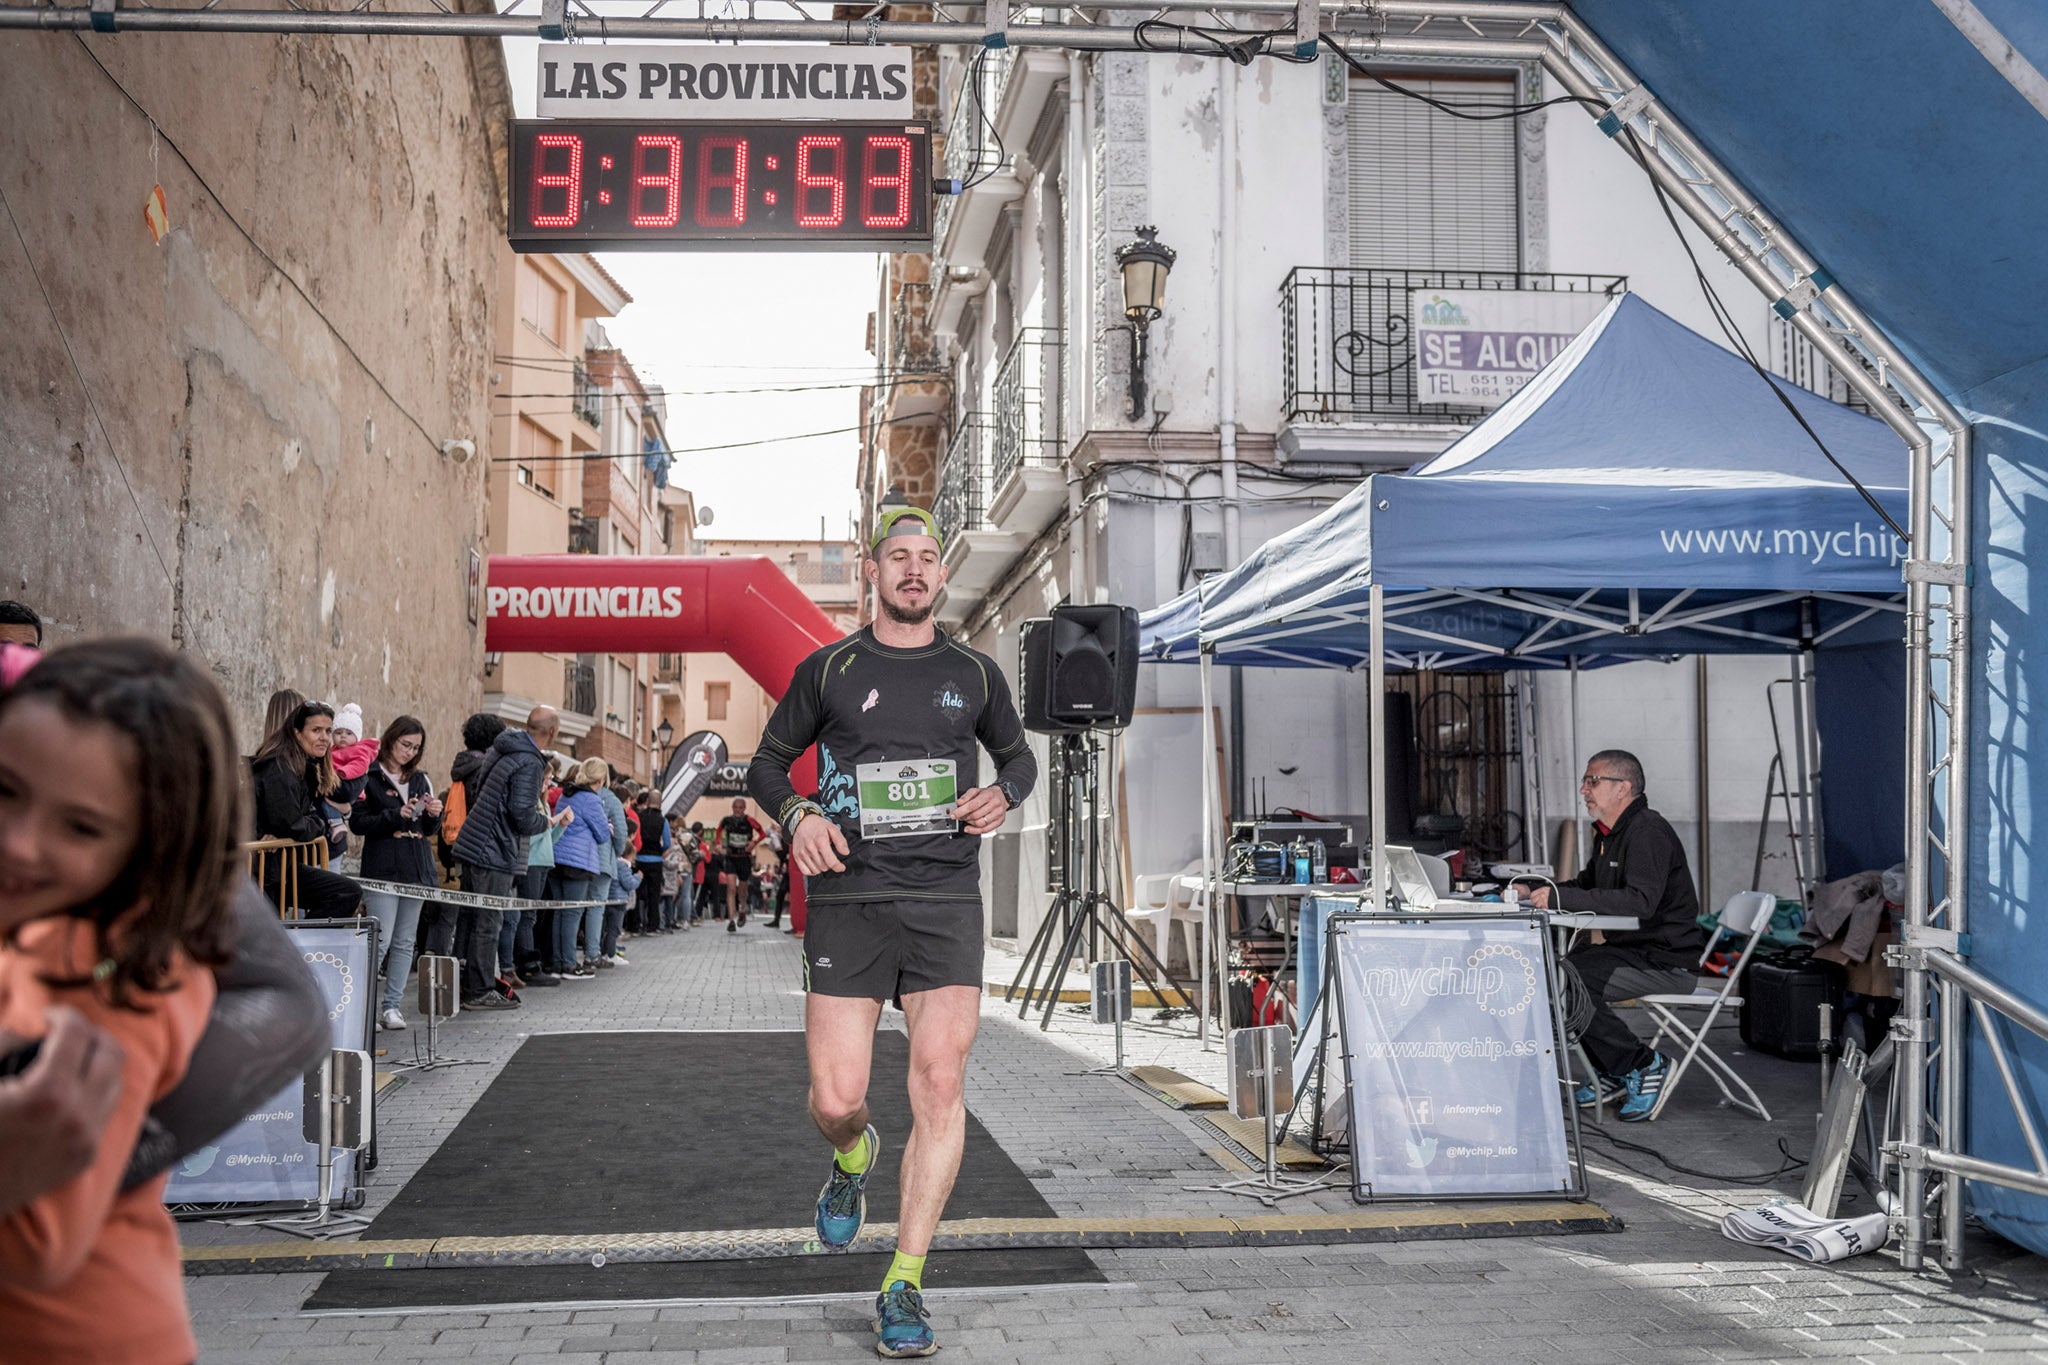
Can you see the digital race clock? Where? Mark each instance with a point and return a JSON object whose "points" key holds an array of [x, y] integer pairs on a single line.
{"points": [[608, 186]]}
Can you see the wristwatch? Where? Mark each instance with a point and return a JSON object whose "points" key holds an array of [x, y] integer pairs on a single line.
{"points": [[797, 814], [1010, 794]]}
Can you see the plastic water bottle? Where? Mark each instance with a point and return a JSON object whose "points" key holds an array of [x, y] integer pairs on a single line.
{"points": [[1318, 862], [1302, 871]]}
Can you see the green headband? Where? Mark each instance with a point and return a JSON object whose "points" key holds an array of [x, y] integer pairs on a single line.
{"points": [[893, 524]]}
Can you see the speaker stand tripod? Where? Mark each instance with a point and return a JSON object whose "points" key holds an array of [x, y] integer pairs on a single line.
{"points": [[1081, 909]]}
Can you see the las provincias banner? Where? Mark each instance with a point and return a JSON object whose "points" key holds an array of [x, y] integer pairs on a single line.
{"points": [[625, 81]]}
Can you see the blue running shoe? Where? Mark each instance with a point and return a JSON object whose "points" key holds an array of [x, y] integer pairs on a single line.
{"points": [[843, 1203], [1644, 1086], [902, 1326], [1603, 1089]]}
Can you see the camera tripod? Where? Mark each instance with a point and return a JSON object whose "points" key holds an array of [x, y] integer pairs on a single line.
{"points": [[1084, 908]]}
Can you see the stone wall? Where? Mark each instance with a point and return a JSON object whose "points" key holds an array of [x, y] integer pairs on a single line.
{"points": [[231, 438]]}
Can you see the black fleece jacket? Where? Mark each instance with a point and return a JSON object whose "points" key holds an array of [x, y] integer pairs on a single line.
{"points": [[1638, 868]]}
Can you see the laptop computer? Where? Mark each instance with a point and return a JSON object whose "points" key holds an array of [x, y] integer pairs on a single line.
{"points": [[1411, 878], [1419, 893]]}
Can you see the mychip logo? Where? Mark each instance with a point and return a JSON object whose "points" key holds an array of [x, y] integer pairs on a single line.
{"points": [[1500, 980]]}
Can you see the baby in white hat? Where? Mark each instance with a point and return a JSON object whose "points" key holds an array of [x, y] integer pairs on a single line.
{"points": [[348, 725]]}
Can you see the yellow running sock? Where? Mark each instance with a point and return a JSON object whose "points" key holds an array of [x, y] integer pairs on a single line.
{"points": [[855, 1161], [909, 1268]]}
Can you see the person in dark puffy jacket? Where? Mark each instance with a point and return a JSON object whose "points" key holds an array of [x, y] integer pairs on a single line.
{"points": [[438, 919], [396, 817], [504, 817]]}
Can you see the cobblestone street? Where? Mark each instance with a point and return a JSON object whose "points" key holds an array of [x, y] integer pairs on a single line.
{"points": [[1668, 1288]]}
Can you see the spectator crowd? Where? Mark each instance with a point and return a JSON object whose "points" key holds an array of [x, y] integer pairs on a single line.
{"points": [[513, 818]]}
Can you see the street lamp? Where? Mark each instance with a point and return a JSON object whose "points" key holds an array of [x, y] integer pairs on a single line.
{"points": [[1145, 264], [664, 736]]}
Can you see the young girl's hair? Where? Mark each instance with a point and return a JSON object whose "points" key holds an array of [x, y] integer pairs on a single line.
{"points": [[284, 743], [191, 815], [399, 729], [283, 702]]}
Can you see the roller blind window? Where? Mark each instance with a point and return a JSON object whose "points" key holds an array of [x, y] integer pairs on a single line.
{"points": [[1429, 190]]}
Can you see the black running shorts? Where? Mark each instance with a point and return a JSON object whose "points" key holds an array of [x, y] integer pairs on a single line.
{"points": [[738, 865], [884, 950]]}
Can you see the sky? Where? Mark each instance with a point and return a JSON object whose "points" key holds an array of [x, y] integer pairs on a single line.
{"points": [[723, 322]]}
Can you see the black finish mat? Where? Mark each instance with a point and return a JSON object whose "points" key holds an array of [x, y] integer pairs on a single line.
{"points": [[674, 1132]]}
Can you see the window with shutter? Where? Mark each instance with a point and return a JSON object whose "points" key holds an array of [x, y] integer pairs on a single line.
{"points": [[1430, 190]]}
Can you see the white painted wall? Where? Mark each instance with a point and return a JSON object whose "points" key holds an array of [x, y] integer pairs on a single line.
{"points": [[1650, 709]]}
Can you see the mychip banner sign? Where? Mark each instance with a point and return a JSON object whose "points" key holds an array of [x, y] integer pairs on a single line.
{"points": [[265, 1159], [1451, 1057], [1477, 347], [645, 81]]}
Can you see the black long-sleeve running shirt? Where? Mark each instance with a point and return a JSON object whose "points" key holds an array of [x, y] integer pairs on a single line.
{"points": [[861, 701]]}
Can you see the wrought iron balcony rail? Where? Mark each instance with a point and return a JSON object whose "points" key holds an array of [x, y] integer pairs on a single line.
{"points": [[579, 687], [1348, 343], [823, 573], [584, 402], [962, 503], [971, 149], [1027, 399]]}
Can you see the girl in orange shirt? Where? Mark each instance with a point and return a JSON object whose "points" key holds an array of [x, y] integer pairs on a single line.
{"points": [[121, 815]]}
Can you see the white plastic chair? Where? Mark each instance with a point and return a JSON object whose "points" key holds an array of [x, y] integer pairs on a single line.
{"points": [[1746, 916], [1165, 899]]}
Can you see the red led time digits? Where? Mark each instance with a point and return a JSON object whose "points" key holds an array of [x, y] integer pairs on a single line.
{"points": [[898, 182], [733, 182], [665, 186], [570, 181], [808, 180], [669, 151]]}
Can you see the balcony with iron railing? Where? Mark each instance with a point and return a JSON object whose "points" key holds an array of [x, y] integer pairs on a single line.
{"points": [[1027, 474], [1027, 399], [830, 573], [668, 668], [962, 501], [1348, 342], [579, 687], [971, 150], [584, 398]]}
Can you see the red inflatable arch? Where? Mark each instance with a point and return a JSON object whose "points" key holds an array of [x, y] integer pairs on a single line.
{"points": [[602, 604]]}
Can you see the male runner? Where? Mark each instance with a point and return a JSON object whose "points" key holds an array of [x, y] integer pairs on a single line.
{"points": [[738, 834], [891, 847]]}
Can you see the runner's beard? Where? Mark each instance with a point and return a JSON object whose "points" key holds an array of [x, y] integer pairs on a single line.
{"points": [[908, 616]]}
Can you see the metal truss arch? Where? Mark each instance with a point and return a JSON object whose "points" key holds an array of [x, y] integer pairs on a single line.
{"points": [[1940, 993]]}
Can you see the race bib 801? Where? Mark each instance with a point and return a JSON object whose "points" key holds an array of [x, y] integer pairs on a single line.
{"points": [[913, 796]]}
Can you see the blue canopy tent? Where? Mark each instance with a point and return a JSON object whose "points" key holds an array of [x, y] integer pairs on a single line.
{"points": [[1645, 495]]}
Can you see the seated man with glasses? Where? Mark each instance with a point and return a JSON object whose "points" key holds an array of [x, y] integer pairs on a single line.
{"points": [[1638, 869]]}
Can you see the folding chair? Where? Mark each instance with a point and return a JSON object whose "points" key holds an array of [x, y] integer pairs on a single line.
{"points": [[1747, 915]]}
